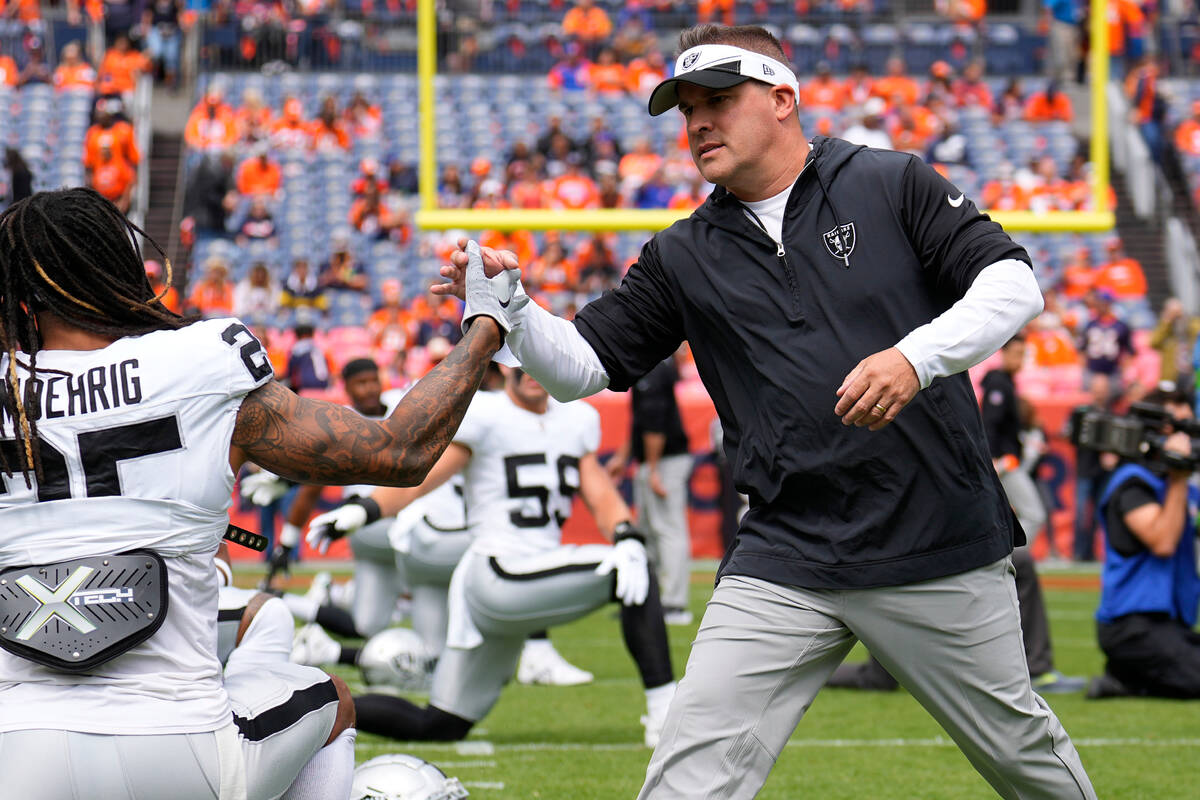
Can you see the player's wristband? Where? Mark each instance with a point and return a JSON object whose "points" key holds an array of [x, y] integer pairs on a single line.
{"points": [[369, 505], [625, 530], [289, 535]]}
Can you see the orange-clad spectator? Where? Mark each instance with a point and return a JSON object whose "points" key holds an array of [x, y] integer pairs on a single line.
{"points": [[391, 325], [326, 132], [1003, 193], [859, 86], [553, 271], [693, 197], [1141, 87], [527, 191], [25, 10], [1056, 315], [1079, 276], [965, 11], [636, 166], [1125, 21], [520, 242], [1121, 275], [211, 125], [253, 120], [573, 189], [971, 89], [369, 171], [1050, 191], [122, 65], [643, 74], [707, 11], [607, 75], [911, 129], [823, 91], [291, 130], [169, 294], [276, 354], [1051, 345], [897, 88], [1049, 105], [587, 22], [73, 73], [598, 267], [258, 175], [363, 120], [108, 131], [370, 213], [1078, 187], [212, 296], [940, 84], [1187, 135], [490, 194], [8, 71], [113, 178]]}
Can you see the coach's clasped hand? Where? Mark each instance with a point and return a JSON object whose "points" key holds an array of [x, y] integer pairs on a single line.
{"points": [[877, 390], [628, 558], [346, 518]]}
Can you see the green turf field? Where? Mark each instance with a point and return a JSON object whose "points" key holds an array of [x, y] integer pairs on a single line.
{"points": [[585, 742]]}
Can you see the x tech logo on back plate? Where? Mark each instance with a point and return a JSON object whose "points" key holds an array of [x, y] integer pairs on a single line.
{"points": [[54, 603]]}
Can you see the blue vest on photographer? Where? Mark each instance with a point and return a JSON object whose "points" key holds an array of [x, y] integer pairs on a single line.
{"points": [[1146, 583]]}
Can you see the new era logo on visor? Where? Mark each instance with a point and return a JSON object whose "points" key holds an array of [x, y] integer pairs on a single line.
{"points": [[687, 62], [767, 70]]}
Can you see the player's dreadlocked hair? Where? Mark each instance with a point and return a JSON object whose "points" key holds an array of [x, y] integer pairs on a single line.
{"points": [[70, 253]]}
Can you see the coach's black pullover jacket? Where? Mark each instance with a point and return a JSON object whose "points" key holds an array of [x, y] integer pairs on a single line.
{"points": [[875, 244]]}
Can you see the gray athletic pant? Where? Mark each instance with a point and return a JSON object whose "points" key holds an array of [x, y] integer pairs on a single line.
{"points": [[283, 713], [1026, 502], [429, 561], [764, 650], [664, 522], [378, 580]]}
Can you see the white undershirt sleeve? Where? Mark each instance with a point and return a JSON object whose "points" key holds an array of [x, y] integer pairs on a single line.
{"points": [[552, 351], [1001, 300]]}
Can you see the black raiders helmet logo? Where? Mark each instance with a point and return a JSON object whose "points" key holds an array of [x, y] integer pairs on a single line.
{"points": [[687, 62], [840, 242]]}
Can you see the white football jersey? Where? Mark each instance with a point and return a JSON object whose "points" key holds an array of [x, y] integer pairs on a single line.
{"points": [[524, 471], [135, 454]]}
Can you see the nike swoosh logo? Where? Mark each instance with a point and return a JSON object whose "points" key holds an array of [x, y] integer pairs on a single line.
{"points": [[955, 202]]}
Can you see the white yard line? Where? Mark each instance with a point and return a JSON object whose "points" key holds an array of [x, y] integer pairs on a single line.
{"points": [[490, 748]]}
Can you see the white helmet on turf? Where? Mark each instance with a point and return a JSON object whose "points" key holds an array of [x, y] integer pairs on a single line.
{"points": [[397, 776], [397, 657]]}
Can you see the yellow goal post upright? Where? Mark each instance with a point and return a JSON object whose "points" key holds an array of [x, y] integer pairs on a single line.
{"points": [[431, 217]]}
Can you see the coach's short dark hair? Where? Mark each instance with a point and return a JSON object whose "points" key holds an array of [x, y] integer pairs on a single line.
{"points": [[748, 37]]}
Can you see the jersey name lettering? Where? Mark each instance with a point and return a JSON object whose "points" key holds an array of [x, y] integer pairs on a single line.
{"points": [[100, 388]]}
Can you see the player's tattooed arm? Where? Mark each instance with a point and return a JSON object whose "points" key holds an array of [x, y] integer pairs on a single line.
{"points": [[313, 441]]}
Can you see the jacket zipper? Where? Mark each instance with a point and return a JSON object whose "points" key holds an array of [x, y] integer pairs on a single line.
{"points": [[781, 254]]}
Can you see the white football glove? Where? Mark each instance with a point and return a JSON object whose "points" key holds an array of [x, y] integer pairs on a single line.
{"points": [[628, 558], [489, 297], [346, 518], [263, 488]]}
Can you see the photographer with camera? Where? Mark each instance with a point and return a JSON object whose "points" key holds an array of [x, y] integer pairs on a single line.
{"points": [[1149, 585]]}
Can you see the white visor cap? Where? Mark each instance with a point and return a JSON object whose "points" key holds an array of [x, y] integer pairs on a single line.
{"points": [[719, 66]]}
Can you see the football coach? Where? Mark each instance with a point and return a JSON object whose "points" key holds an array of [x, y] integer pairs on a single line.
{"points": [[834, 296]]}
